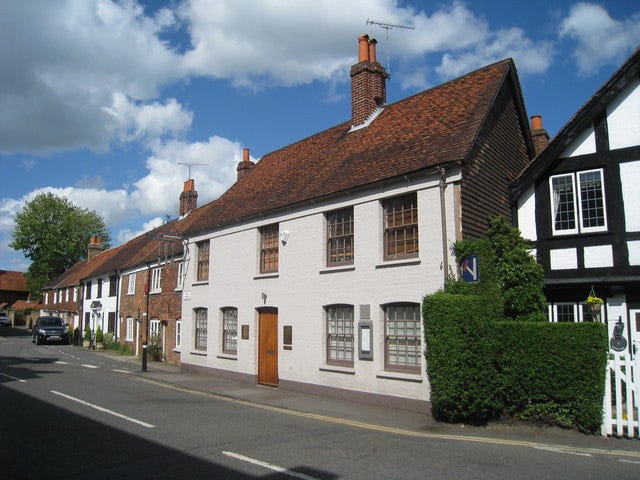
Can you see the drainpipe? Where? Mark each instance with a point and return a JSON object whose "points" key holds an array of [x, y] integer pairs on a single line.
{"points": [[443, 217]]}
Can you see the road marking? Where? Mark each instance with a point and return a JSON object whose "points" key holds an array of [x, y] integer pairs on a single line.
{"points": [[556, 449], [105, 410], [397, 431], [629, 461], [269, 466], [60, 362], [85, 365], [117, 370], [13, 378]]}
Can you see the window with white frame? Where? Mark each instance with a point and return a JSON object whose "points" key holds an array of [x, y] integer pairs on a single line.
{"points": [[129, 332], [156, 277], [180, 276], [340, 343], [154, 332], [178, 335], [578, 202], [403, 337], [230, 330], [574, 312], [131, 287], [200, 329], [66, 294]]}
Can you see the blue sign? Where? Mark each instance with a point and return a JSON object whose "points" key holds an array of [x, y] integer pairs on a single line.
{"points": [[470, 269]]}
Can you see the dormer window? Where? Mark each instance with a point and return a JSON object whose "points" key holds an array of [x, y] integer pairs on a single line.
{"points": [[578, 202]]}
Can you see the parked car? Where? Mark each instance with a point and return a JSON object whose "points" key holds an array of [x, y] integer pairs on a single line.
{"points": [[50, 329], [4, 320]]}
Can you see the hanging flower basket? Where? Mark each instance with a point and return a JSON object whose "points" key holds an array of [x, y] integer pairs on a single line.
{"points": [[594, 303]]}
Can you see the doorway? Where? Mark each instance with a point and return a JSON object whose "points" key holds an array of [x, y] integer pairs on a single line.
{"points": [[268, 347]]}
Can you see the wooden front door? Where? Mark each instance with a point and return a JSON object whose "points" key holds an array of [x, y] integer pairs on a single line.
{"points": [[268, 348]]}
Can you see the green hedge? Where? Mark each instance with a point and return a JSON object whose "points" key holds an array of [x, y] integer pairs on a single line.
{"points": [[481, 367]]}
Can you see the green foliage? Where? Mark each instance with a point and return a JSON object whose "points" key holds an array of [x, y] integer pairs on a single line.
{"points": [[459, 357], [154, 349], [54, 233], [510, 277], [481, 367], [87, 334], [122, 349], [108, 339], [99, 336]]}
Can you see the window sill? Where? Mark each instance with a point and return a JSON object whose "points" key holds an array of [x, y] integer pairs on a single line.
{"points": [[266, 275], [201, 282], [338, 268], [227, 357], [403, 377], [176, 350], [154, 292], [199, 353], [398, 263], [338, 369]]}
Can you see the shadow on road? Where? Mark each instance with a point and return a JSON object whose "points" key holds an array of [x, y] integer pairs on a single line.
{"points": [[42, 441]]}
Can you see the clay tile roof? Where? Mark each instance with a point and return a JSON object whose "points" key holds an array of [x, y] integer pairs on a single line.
{"points": [[24, 304], [13, 281], [426, 130]]}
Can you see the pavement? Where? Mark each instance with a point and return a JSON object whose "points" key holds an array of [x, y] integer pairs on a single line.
{"points": [[373, 417]]}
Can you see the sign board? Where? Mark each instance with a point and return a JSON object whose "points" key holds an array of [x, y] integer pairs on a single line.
{"points": [[470, 269]]}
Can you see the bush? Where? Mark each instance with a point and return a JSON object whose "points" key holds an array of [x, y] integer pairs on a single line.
{"points": [[99, 336], [459, 355], [87, 334], [108, 339]]}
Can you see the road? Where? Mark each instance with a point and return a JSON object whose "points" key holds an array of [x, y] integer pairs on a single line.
{"points": [[66, 412]]}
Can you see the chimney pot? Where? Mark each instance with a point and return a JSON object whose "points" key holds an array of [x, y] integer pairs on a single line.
{"points": [[536, 122], [363, 48], [245, 154], [372, 50], [539, 135], [245, 165]]}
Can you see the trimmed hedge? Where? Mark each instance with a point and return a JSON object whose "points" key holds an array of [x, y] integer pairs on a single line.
{"points": [[481, 367]]}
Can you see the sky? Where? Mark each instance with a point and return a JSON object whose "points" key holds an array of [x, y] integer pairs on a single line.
{"points": [[106, 102]]}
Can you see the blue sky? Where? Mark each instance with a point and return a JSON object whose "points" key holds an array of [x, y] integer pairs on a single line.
{"points": [[101, 100]]}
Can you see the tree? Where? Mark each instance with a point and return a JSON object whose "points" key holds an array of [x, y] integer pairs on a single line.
{"points": [[54, 233], [511, 278]]}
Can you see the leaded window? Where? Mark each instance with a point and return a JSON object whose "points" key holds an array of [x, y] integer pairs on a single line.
{"points": [[230, 330], [340, 343], [340, 237], [401, 227], [581, 208], [403, 337], [202, 274], [269, 249], [200, 333]]}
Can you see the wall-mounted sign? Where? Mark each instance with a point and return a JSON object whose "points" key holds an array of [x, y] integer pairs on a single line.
{"points": [[470, 269], [618, 343], [186, 295], [365, 340]]}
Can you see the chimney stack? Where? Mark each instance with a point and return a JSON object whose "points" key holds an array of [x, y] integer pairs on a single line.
{"points": [[245, 165], [368, 82], [539, 135], [188, 198], [95, 247]]}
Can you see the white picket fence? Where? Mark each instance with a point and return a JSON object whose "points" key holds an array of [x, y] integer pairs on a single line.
{"points": [[622, 396]]}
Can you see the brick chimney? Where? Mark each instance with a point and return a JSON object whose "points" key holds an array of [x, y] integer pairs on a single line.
{"points": [[188, 198], [539, 135], [245, 165], [368, 82], [95, 247]]}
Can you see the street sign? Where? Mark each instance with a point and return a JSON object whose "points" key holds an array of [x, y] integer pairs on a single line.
{"points": [[470, 269]]}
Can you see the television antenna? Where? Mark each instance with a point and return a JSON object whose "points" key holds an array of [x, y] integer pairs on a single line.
{"points": [[388, 26], [189, 165]]}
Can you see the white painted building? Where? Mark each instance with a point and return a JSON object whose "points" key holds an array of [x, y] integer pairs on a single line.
{"points": [[579, 201], [309, 272]]}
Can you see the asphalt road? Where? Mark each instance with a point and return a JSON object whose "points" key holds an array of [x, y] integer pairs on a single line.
{"points": [[66, 412]]}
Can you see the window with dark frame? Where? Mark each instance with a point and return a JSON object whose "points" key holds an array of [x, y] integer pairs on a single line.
{"points": [[269, 249], [113, 282], [340, 337], [340, 237], [99, 294], [565, 312], [230, 330], [202, 274], [403, 337], [87, 290], [200, 333], [401, 227]]}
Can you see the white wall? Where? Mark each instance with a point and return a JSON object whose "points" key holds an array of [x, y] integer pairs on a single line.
{"points": [[630, 178], [304, 285], [527, 214], [623, 118]]}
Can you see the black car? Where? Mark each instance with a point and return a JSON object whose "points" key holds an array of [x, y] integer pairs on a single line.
{"points": [[50, 329]]}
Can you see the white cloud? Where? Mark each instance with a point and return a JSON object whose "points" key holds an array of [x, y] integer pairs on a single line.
{"points": [[126, 234], [600, 39], [67, 60], [148, 121]]}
